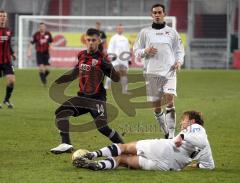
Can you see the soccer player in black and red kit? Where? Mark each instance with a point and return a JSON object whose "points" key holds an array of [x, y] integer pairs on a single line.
{"points": [[6, 52], [92, 66], [42, 40]]}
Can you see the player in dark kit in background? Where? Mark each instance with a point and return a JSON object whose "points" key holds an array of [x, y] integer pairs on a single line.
{"points": [[91, 68], [6, 52], [42, 40]]}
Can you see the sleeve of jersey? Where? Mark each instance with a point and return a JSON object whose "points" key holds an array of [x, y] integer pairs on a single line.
{"points": [[69, 76], [50, 38], [178, 49], [33, 40], [195, 136], [205, 158], [11, 48], [109, 71], [139, 45]]}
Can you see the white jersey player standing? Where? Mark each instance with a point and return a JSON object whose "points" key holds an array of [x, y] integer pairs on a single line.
{"points": [[119, 47], [161, 48], [158, 154]]}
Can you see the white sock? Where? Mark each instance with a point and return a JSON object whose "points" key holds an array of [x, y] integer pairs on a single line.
{"points": [[107, 83], [171, 121], [109, 151], [160, 117], [109, 163], [124, 83]]}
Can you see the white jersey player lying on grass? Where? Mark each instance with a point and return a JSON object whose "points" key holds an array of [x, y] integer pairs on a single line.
{"points": [[157, 154]]}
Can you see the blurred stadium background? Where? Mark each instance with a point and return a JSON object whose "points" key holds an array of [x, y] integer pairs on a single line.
{"points": [[210, 29]]}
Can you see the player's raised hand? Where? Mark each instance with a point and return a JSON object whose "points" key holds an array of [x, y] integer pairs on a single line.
{"points": [[151, 51]]}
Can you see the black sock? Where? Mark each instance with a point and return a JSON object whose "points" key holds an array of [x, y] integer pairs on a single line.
{"points": [[9, 90], [115, 138], [65, 137], [42, 77], [46, 73], [111, 134]]}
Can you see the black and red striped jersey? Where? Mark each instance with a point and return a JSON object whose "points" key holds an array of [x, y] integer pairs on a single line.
{"points": [[92, 68], [42, 41], [5, 45]]}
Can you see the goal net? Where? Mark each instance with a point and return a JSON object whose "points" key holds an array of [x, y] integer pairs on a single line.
{"points": [[68, 35]]}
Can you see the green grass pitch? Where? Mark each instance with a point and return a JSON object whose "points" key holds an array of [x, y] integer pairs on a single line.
{"points": [[28, 131]]}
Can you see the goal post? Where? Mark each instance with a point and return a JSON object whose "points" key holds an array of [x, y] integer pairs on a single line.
{"points": [[67, 32]]}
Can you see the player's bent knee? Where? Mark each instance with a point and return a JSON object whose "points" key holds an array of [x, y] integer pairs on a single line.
{"points": [[129, 148], [131, 161], [62, 111], [11, 79]]}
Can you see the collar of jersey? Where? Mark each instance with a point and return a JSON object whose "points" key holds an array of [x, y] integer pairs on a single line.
{"points": [[92, 52], [158, 26]]}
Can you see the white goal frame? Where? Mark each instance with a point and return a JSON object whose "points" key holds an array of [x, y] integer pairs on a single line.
{"points": [[21, 18]]}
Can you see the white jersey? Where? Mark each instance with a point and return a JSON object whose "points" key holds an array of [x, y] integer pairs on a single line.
{"points": [[162, 154], [118, 45], [169, 49], [195, 146]]}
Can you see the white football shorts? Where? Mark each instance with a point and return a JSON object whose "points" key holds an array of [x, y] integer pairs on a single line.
{"points": [[157, 85], [154, 154]]}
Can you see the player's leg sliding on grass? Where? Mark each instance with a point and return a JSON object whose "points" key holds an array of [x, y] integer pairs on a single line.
{"points": [[157, 154], [117, 155]]}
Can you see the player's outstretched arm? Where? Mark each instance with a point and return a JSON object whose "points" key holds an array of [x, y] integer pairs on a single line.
{"points": [[109, 71], [68, 76], [205, 159]]}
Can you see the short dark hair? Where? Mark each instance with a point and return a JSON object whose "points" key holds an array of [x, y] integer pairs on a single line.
{"points": [[2, 11], [158, 5], [42, 23], [197, 116], [92, 31]]}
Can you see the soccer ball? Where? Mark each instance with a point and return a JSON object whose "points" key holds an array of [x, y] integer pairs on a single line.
{"points": [[78, 153]]}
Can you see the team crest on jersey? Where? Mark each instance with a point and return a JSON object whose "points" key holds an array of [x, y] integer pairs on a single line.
{"points": [[8, 33], [94, 62], [168, 33], [46, 36], [159, 33]]}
